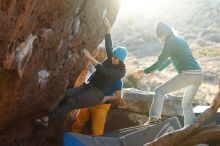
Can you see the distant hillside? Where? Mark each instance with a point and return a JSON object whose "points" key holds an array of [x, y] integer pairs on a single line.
{"points": [[197, 20]]}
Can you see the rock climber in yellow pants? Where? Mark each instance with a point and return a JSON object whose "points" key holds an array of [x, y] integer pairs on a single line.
{"points": [[98, 113]]}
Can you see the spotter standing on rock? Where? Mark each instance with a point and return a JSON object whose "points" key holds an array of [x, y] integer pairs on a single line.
{"points": [[177, 52], [86, 95]]}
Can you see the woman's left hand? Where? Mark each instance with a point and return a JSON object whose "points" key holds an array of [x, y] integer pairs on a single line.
{"points": [[90, 58], [86, 53], [138, 74]]}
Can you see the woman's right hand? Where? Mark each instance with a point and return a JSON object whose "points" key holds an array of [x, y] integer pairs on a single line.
{"points": [[138, 74]]}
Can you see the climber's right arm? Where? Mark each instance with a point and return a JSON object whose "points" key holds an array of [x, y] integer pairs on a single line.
{"points": [[108, 39], [108, 45]]}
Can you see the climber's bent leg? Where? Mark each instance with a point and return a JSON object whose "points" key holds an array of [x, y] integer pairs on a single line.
{"points": [[73, 92], [89, 97]]}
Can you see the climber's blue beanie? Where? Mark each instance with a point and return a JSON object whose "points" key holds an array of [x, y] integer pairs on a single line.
{"points": [[121, 53], [163, 29]]}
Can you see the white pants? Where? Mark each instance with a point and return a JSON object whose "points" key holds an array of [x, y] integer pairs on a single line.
{"points": [[190, 81]]}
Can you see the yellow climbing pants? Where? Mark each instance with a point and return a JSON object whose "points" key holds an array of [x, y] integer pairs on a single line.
{"points": [[98, 116]]}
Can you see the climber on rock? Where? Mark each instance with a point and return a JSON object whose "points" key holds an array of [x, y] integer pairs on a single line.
{"points": [[86, 95], [98, 113], [177, 52]]}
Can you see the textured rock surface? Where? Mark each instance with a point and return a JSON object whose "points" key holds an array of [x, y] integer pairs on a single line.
{"points": [[140, 101], [133, 109], [40, 51], [119, 119]]}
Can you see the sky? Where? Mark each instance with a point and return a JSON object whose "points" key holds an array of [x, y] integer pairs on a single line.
{"points": [[150, 8]]}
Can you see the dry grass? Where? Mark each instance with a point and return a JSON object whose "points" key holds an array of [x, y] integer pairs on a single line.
{"points": [[209, 59], [206, 52]]}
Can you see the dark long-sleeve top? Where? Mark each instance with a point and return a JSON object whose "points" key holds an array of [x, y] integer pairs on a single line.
{"points": [[107, 73]]}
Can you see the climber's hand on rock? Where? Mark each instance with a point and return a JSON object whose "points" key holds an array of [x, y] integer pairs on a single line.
{"points": [[90, 58], [87, 54]]}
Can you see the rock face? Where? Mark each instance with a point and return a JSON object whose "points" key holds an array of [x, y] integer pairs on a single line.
{"points": [[119, 119], [40, 53]]}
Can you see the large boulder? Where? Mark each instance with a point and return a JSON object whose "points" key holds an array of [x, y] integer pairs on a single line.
{"points": [[140, 101], [40, 54], [119, 119], [134, 107]]}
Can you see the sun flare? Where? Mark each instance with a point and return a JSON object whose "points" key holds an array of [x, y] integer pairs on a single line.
{"points": [[144, 7]]}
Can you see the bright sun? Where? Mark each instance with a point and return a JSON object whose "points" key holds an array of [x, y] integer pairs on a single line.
{"points": [[144, 7]]}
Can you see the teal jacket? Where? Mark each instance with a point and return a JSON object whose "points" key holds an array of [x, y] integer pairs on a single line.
{"points": [[176, 51]]}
